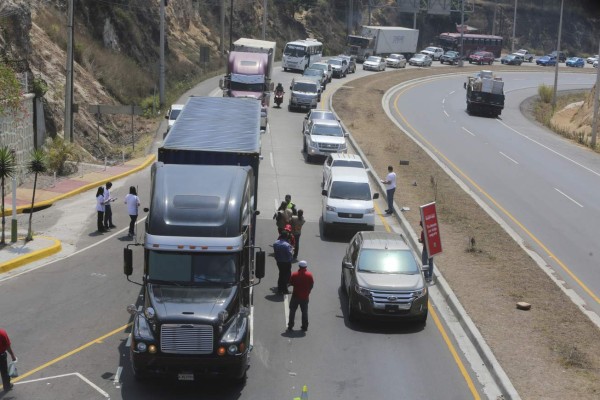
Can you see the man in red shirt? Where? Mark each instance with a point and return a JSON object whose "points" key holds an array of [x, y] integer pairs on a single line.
{"points": [[303, 282], [4, 347]]}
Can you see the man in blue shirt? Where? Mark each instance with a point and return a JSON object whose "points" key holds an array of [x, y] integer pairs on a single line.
{"points": [[283, 255]]}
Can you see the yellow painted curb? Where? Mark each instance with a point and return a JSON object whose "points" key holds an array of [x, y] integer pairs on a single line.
{"points": [[33, 256]]}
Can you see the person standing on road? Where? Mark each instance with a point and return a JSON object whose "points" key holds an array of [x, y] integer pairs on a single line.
{"points": [[283, 256], [100, 208], [303, 282], [133, 203], [390, 186], [287, 204], [297, 223], [4, 348], [108, 222]]}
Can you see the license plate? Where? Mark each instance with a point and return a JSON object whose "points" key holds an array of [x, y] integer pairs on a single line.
{"points": [[391, 307], [185, 377]]}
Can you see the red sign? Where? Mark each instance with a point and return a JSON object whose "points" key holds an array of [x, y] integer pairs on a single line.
{"points": [[433, 241]]}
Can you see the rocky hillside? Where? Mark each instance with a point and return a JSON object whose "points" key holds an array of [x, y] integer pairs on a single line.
{"points": [[117, 46]]}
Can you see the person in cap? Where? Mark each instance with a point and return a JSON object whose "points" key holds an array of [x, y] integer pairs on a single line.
{"points": [[302, 281]]}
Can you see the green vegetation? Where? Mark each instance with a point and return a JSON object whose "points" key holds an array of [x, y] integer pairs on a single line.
{"points": [[58, 152], [8, 168], [10, 89]]}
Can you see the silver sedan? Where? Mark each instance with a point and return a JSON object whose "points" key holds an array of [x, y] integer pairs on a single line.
{"points": [[420, 60], [396, 61], [374, 63]]}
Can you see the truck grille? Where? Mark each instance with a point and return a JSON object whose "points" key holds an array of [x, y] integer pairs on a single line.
{"points": [[186, 339], [328, 147]]}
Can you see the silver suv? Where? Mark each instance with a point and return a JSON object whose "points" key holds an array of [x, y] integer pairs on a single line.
{"points": [[382, 278], [306, 93]]}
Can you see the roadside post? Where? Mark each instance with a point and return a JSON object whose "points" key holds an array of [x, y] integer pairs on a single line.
{"points": [[13, 222]]}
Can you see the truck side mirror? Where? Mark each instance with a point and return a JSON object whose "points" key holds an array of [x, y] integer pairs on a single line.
{"points": [[221, 84], [260, 264], [127, 261]]}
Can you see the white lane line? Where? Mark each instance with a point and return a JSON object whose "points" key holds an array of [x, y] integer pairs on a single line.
{"points": [[508, 158], [443, 100], [117, 378], [549, 149], [77, 374], [271, 159], [286, 309], [452, 92], [446, 114], [468, 131], [568, 197]]}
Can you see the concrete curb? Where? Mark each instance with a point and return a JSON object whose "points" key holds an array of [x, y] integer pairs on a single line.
{"points": [[33, 256], [484, 351]]}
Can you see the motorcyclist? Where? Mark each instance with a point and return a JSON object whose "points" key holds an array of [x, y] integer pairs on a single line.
{"points": [[279, 95], [279, 88]]}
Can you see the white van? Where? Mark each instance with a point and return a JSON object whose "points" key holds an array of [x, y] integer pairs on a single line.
{"points": [[172, 114], [348, 200]]}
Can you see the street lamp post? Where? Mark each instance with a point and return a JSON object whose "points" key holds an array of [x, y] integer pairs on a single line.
{"points": [[462, 31], [512, 47], [557, 56]]}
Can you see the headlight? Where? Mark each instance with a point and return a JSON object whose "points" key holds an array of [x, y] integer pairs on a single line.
{"points": [[362, 291], [370, 211], [143, 330], [330, 208], [421, 292], [149, 313], [233, 349], [343, 147], [236, 331], [141, 347]]}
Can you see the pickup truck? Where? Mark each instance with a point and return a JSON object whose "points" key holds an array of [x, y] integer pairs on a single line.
{"points": [[527, 56]]}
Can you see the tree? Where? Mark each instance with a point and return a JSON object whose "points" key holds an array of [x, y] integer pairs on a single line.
{"points": [[8, 167], [37, 165], [10, 89]]}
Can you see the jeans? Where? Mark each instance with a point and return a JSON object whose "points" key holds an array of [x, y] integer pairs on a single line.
{"points": [[100, 221], [4, 370], [297, 247], [390, 199], [107, 216], [285, 271], [294, 303], [132, 224]]}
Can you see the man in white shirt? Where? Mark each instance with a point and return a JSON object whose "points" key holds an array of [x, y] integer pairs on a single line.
{"points": [[390, 186], [108, 222]]}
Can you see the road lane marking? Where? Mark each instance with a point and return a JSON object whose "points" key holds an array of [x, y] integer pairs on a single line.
{"points": [[508, 157], [549, 149], [77, 374], [504, 211], [72, 352], [468, 131], [286, 309], [117, 378], [446, 114], [568, 197], [271, 159]]}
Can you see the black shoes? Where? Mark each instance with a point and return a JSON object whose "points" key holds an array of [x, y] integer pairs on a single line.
{"points": [[304, 328], [112, 226], [289, 329], [9, 387]]}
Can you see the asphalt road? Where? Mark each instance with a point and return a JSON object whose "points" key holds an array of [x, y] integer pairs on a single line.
{"points": [[68, 322], [543, 186]]}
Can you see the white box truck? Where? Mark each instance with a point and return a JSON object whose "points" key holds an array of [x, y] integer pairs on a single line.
{"points": [[383, 41]]}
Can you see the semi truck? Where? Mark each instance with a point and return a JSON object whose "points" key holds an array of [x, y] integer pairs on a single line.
{"points": [[250, 72], [193, 318], [382, 41], [485, 94]]}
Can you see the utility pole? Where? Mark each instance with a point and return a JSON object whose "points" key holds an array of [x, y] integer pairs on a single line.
{"points": [[161, 72], [462, 31], [494, 20], [512, 46], [350, 16], [68, 130], [231, 26], [222, 27], [264, 32], [595, 118], [562, 2]]}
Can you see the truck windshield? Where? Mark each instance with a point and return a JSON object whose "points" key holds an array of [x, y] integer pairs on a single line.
{"points": [[192, 268], [246, 87], [350, 191], [358, 41], [294, 50]]}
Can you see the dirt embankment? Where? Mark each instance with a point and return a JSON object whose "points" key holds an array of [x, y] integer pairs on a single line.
{"points": [[549, 352]]}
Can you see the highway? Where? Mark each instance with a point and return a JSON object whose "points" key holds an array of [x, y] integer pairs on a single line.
{"points": [[69, 327], [542, 185]]}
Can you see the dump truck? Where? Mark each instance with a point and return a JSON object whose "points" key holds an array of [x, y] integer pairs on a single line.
{"points": [[485, 94]]}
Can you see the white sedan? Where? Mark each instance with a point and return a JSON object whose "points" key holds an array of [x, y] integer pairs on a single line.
{"points": [[396, 61], [374, 63], [420, 60], [590, 60]]}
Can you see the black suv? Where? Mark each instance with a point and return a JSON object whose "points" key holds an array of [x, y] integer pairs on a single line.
{"points": [[450, 57], [562, 57]]}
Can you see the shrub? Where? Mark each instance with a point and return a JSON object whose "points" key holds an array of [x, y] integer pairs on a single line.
{"points": [[545, 93], [58, 153]]}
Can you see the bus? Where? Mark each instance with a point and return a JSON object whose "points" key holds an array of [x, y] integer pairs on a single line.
{"points": [[301, 54], [471, 43]]}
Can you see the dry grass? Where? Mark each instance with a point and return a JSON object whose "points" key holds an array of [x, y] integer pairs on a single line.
{"points": [[550, 352]]}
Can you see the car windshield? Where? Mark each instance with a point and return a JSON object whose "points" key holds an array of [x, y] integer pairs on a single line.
{"points": [[432, 49], [379, 261], [327, 130], [313, 72], [419, 56], [350, 191], [335, 62], [192, 268], [174, 114], [394, 56], [451, 53], [322, 115], [321, 67], [374, 59], [305, 87], [347, 163]]}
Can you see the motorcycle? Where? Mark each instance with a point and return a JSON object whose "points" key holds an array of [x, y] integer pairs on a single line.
{"points": [[278, 98]]}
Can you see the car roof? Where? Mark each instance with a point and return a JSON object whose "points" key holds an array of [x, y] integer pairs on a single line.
{"points": [[329, 122], [345, 156], [322, 113], [349, 174], [319, 63], [303, 80], [381, 240]]}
